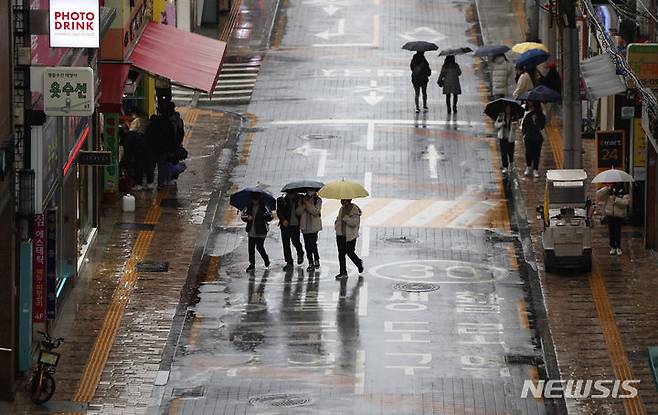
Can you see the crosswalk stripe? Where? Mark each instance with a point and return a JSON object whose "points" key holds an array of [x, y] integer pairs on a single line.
{"points": [[423, 213], [223, 99], [232, 92], [237, 82], [234, 65], [242, 69], [238, 75]]}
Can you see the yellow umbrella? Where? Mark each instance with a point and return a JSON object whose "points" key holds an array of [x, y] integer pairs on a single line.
{"points": [[342, 189], [526, 46]]}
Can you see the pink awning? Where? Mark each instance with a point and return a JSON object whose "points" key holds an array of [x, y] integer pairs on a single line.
{"points": [[187, 59]]}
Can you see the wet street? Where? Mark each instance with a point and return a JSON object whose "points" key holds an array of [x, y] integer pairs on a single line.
{"points": [[440, 321]]}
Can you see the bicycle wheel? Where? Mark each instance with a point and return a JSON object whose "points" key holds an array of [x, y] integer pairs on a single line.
{"points": [[42, 393]]}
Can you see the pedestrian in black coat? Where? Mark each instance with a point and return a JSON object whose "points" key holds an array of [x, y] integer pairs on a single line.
{"points": [[420, 75], [532, 125], [161, 141], [289, 220], [257, 216]]}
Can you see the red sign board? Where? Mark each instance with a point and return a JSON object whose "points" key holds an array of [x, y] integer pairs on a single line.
{"points": [[39, 268]]}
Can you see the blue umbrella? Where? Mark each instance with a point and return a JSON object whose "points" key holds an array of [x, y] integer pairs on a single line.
{"points": [[540, 93], [242, 198], [491, 50], [532, 58]]}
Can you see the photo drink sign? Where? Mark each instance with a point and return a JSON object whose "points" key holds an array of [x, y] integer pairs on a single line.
{"points": [[74, 23]]}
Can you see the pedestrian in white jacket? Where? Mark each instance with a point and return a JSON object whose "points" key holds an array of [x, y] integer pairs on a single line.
{"points": [[615, 203], [347, 231], [501, 74], [310, 223], [524, 82]]}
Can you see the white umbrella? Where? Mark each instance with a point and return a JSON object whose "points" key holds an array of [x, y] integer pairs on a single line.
{"points": [[612, 176]]}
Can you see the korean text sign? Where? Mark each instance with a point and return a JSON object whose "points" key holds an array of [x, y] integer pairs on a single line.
{"points": [[68, 91]]}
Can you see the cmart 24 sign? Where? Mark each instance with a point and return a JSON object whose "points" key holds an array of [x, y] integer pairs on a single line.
{"points": [[74, 23]]}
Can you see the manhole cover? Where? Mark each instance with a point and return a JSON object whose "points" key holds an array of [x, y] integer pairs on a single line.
{"points": [[280, 400], [319, 136], [402, 240], [416, 287], [153, 266], [188, 392]]}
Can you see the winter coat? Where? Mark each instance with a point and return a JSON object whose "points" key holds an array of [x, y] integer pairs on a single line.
{"points": [[259, 221], [283, 209], [615, 205], [501, 73], [505, 128], [420, 70], [532, 129], [352, 219], [310, 215], [449, 76], [160, 135], [524, 84]]}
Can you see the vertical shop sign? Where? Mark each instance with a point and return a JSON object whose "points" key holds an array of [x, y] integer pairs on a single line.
{"points": [[39, 269], [51, 264], [639, 151], [111, 140]]}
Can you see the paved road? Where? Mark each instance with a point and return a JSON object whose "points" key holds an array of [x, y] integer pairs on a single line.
{"points": [[439, 324]]}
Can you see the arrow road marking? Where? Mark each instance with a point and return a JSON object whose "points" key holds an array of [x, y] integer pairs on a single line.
{"points": [[372, 98], [423, 33], [434, 157], [331, 9], [326, 35], [306, 150]]}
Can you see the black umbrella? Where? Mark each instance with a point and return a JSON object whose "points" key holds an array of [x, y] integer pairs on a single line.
{"points": [[302, 185], [540, 93], [420, 46], [455, 51], [497, 106], [491, 50], [242, 198]]}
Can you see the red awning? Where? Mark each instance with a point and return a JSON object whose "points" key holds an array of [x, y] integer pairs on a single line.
{"points": [[187, 59], [113, 81]]}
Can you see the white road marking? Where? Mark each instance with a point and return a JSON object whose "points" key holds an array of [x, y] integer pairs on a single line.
{"points": [[340, 31], [370, 137], [330, 121], [331, 9], [394, 208], [432, 211], [365, 242], [423, 33], [433, 156], [363, 300], [322, 163], [342, 45], [360, 372], [367, 181]]}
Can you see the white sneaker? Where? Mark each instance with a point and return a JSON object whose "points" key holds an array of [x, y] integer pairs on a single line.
{"points": [[618, 251], [535, 173], [612, 251], [504, 170], [527, 171]]}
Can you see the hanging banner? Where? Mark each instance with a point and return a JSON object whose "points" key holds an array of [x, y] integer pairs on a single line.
{"points": [[68, 91], [74, 23], [51, 264], [39, 269]]}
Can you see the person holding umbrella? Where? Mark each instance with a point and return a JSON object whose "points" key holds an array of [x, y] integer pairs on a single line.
{"points": [[309, 209], [347, 222], [506, 124], [524, 80], [289, 220], [532, 125], [449, 81], [615, 203], [420, 75], [501, 73], [255, 207]]}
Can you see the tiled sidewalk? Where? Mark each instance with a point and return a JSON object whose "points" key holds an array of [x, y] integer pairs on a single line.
{"points": [[601, 323]]}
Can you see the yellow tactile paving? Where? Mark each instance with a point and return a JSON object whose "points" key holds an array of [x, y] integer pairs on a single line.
{"points": [[616, 352], [107, 333]]}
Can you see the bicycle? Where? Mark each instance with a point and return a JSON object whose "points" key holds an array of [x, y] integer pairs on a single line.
{"points": [[41, 386]]}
